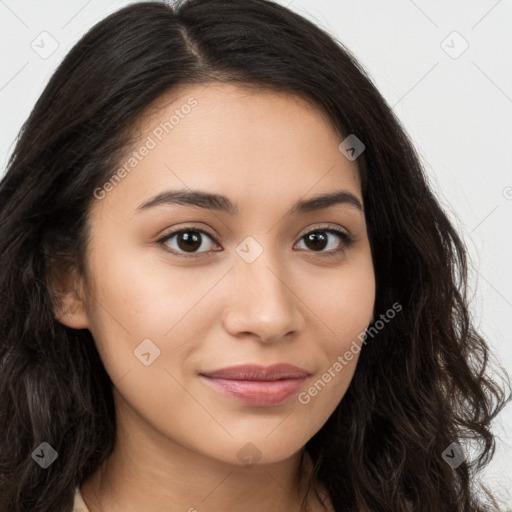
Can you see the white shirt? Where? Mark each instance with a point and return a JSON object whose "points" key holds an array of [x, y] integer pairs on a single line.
{"points": [[79, 504]]}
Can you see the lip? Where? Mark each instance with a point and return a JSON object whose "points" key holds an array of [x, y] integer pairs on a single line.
{"points": [[260, 386]]}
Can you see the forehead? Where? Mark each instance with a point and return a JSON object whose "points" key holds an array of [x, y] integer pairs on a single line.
{"points": [[241, 142]]}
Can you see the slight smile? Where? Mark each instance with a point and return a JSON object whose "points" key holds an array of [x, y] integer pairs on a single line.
{"points": [[258, 385]]}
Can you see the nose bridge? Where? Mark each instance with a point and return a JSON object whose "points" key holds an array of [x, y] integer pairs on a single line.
{"points": [[264, 280], [263, 302]]}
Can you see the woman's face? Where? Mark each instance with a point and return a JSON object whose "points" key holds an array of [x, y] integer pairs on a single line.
{"points": [[261, 282]]}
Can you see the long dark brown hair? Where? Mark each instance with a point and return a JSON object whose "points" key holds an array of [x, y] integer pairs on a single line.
{"points": [[422, 384]]}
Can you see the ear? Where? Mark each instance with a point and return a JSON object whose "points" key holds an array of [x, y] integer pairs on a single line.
{"points": [[69, 298]]}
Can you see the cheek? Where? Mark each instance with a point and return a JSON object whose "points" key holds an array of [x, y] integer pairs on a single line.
{"points": [[136, 293], [341, 311], [342, 303], [139, 323], [144, 306]]}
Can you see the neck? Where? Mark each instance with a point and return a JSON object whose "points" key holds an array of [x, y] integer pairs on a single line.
{"points": [[155, 474]]}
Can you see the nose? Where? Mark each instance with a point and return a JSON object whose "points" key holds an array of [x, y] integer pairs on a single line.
{"points": [[262, 302]]}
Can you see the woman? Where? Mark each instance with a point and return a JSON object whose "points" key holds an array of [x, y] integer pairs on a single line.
{"points": [[227, 285]]}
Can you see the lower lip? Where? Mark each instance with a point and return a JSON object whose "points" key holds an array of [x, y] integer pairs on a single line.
{"points": [[257, 393]]}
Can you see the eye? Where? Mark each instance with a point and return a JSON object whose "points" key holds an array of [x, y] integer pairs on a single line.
{"points": [[186, 240], [321, 238]]}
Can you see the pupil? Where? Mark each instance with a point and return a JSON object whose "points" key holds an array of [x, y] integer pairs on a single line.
{"points": [[318, 240], [192, 240]]}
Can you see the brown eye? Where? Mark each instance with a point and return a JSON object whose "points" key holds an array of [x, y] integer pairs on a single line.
{"points": [[187, 240], [321, 239], [192, 241]]}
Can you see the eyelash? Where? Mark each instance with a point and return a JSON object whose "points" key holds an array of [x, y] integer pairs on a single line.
{"points": [[347, 240]]}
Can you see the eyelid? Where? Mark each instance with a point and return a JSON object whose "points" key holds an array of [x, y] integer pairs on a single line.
{"points": [[346, 238], [326, 226]]}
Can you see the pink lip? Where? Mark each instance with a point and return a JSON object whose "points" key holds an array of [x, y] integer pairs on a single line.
{"points": [[258, 385]]}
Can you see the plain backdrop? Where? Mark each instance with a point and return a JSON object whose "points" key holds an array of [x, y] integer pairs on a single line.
{"points": [[446, 69]]}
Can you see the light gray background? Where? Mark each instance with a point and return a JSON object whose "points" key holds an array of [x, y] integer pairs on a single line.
{"points": [[456, 105]]}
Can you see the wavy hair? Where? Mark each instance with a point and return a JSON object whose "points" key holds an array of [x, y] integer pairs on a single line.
{"points": [[420, 385]]}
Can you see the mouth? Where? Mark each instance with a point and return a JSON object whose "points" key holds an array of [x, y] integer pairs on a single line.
{"points": [[257, 385]]}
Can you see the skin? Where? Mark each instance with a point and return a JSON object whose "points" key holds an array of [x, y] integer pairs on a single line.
{"points": [[178, 439]]}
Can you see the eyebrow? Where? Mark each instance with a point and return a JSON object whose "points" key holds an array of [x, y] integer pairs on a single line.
{"points": [[223, 204]]}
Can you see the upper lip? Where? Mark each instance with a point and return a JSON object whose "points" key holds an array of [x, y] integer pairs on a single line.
{"points": [[259, 373]]}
